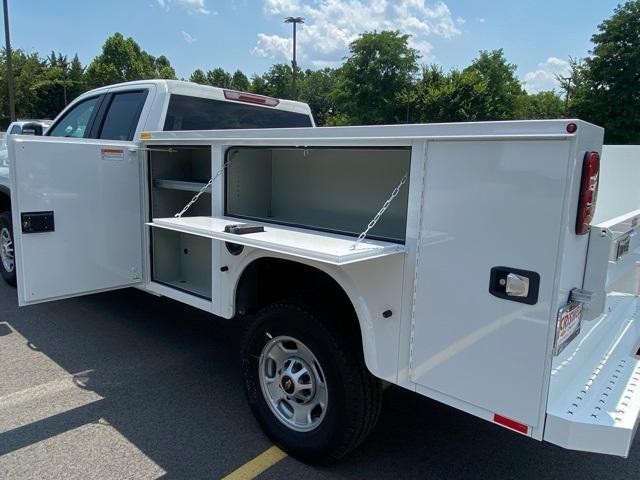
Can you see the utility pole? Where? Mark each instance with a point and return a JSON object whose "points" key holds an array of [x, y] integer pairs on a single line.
{"points": [[7, 40], [294, 64]]}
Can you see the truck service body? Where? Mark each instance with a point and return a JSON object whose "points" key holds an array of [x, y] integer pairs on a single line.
{"points": [[478, 284]]}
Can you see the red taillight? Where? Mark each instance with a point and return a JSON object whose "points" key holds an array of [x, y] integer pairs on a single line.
{"points": [[588, 192], [250, 98]]}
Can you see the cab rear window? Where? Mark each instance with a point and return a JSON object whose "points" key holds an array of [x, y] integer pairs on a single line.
{"points": [[193, 113]]}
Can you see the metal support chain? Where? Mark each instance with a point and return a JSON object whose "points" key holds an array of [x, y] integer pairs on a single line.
{"points": [[373, 222], [202, 190]]}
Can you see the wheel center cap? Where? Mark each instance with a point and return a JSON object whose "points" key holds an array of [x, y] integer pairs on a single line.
{"points": [[287, 384]]}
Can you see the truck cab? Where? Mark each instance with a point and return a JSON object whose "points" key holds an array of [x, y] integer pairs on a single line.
{"points": [[111, 115]]}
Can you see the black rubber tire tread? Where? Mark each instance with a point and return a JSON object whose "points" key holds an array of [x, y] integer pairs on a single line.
{"points": [[372, 387], [365, 391], [9, 277]]}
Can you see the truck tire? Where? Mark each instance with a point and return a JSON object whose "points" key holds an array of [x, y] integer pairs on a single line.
{"points": [[7, 250], [306, 383]]}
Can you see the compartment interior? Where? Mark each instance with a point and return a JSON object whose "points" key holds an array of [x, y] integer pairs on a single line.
{"points": [[182, 261], [176, 176], [332, 189]]}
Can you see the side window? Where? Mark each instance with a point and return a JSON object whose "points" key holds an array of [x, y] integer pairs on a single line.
{"points": [[15, 129], [122, 116], [74, 123]]}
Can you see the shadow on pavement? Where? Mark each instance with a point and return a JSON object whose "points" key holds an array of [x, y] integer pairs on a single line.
{"points": [[170, 381]]}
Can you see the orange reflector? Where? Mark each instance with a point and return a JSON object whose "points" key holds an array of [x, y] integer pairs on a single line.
{"points": [[145, 136], [512, 424]]}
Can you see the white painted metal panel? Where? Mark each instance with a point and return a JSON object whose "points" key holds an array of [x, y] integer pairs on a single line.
{"points": [[310, 244], [95, 197], [594, 397], [487, 204], [619, 190]]}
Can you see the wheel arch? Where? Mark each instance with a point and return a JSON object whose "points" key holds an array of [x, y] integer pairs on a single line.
{"points": [[330, 279], [5, 199]]}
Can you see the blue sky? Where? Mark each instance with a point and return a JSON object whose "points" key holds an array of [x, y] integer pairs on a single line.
{"points": [[250, 35]]}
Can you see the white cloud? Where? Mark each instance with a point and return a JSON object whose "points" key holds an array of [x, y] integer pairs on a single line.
{"points": [[330, 25], [188, 38], [481, 20], [192, 6], [544, 77], [272, 46]]}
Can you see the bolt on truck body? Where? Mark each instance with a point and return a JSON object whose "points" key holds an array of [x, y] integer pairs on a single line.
{"points": [[478, 283]]}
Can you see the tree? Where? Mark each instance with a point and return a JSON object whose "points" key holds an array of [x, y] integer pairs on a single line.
{"points": [[239, 81], [198, 76], [458, 96], [606, 86], [122, 60], [278, 81], [316, 90], [503, 89], [218, 77], [163, 68], [547, 104], [27, 69], [379, 67], [258, 85]]}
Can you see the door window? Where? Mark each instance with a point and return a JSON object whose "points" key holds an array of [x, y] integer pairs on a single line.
{"points": [[122, 116], [74, 123], [15, 129]]}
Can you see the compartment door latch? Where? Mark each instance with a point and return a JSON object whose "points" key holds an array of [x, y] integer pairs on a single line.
{"points": [[37, 222], [514, 284]]}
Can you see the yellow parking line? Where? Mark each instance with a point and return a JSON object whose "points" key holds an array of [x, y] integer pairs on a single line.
{"points": [[255, 467]]}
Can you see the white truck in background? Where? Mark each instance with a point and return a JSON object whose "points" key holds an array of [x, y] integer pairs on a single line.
{"points": [[459, 261], [121, 112]]}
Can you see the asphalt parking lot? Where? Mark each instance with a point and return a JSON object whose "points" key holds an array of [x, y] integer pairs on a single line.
{"points": [[127, 385]]}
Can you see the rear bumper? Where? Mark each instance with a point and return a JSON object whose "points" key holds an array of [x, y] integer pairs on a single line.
{"points": [[594, 396]]}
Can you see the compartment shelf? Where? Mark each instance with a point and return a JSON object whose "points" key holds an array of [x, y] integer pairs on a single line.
{"points": [[180, 185], [202, 290], [314, 245]]}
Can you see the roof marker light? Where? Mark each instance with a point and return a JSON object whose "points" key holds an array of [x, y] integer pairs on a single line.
{"points": [[250, 98], [572, 128]]}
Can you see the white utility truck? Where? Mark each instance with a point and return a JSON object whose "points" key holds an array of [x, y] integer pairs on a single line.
{"points": [[121, 112], [454, 260]]}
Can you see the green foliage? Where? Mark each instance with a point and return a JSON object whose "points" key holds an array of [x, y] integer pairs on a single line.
{"points": [[258, 85], [218, 77], [605, 87], [547, 104], [379, 67], [315, 89], [278, 81], [198, 76], [122, 60], [239, 81], [453, 97], [500, 86]]}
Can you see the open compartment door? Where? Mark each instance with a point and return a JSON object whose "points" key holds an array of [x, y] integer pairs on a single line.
{"points": [[313, 245], [77, 210]]}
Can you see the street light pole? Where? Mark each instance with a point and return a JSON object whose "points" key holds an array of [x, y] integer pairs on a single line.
{"points": [[294, 64], [7, 39]]}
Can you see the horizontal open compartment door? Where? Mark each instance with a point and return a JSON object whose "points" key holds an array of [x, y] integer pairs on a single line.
{"points": [[313, 245]]}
